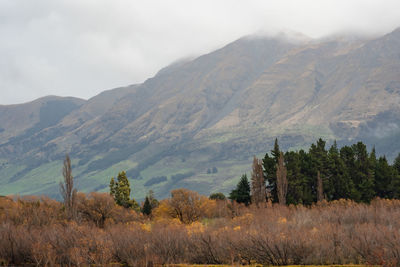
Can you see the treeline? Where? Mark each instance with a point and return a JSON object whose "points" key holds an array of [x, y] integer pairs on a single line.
{"points": [[301, 177]]}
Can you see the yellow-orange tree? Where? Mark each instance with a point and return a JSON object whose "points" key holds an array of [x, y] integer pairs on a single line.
{"points": [[186, 205]]}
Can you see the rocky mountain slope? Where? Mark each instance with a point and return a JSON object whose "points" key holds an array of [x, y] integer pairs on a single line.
{"points": [[217, 110]]}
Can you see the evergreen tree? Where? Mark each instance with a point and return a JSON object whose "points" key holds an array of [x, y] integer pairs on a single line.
{"points": [[364, 173], [269, 165], [308, 181], [348, 157], [112, 187], [320, 188], [124, 190], [214, 169], [339, 183], [217, 196], [319, 158], [351, 173], [395, 184], [121, 191], [384, 176], [276, 151], [372, 158], [396, 164], [242, 192], [295, 178], [147, 208]]}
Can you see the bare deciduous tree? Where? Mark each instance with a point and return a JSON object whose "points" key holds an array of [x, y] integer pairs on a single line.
{"points": [[281, 180], [258, 188], [96, 207], [68, 192]]}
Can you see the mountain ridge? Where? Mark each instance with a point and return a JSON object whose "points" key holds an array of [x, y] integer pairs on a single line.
{"points": [[218, 109]]}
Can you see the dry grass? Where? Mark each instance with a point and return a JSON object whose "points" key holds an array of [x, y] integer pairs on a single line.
{"points": [[259, 265]]}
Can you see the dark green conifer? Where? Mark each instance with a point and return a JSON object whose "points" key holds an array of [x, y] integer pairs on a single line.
{"points": [[112, 187], [295, 178], [396, 164], [339, 183], [121, 191], [147, 208], [319, 164], [217, 196], [276, 151], [384, 176], [364, 173], [242, 192]]}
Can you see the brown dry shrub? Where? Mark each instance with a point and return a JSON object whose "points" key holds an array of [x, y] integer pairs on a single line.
{"points": [[35, 231], [15, 244], [100, 209], [169, 243], [130, 243], [30, 211]]}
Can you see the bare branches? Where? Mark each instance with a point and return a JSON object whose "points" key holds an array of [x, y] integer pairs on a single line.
{"points": [[67, 190], [258, 188]]}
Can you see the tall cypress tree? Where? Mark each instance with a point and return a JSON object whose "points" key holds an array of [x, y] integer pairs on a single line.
{"points": [[269, 165], [276, 151], [147, 208]]}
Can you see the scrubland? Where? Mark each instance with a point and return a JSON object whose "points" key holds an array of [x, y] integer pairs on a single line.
{"points": [[36, 231]]}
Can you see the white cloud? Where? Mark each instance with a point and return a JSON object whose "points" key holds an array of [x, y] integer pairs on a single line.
{"points": [[81, 47]]}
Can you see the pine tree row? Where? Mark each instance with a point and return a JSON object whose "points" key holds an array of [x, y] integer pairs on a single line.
{"points": [[300, 177]]}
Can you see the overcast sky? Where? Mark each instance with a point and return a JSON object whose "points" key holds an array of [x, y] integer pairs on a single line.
{"points": [[82, 47]]}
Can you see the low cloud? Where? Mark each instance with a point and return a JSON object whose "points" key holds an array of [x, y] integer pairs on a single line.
{"points": [[82, 47]]}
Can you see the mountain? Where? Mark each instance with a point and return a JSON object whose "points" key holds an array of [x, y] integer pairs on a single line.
{"points": [[217, 110]]}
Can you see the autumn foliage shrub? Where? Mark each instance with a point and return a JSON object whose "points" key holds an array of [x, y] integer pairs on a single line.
{"points": [[36, 231]]}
